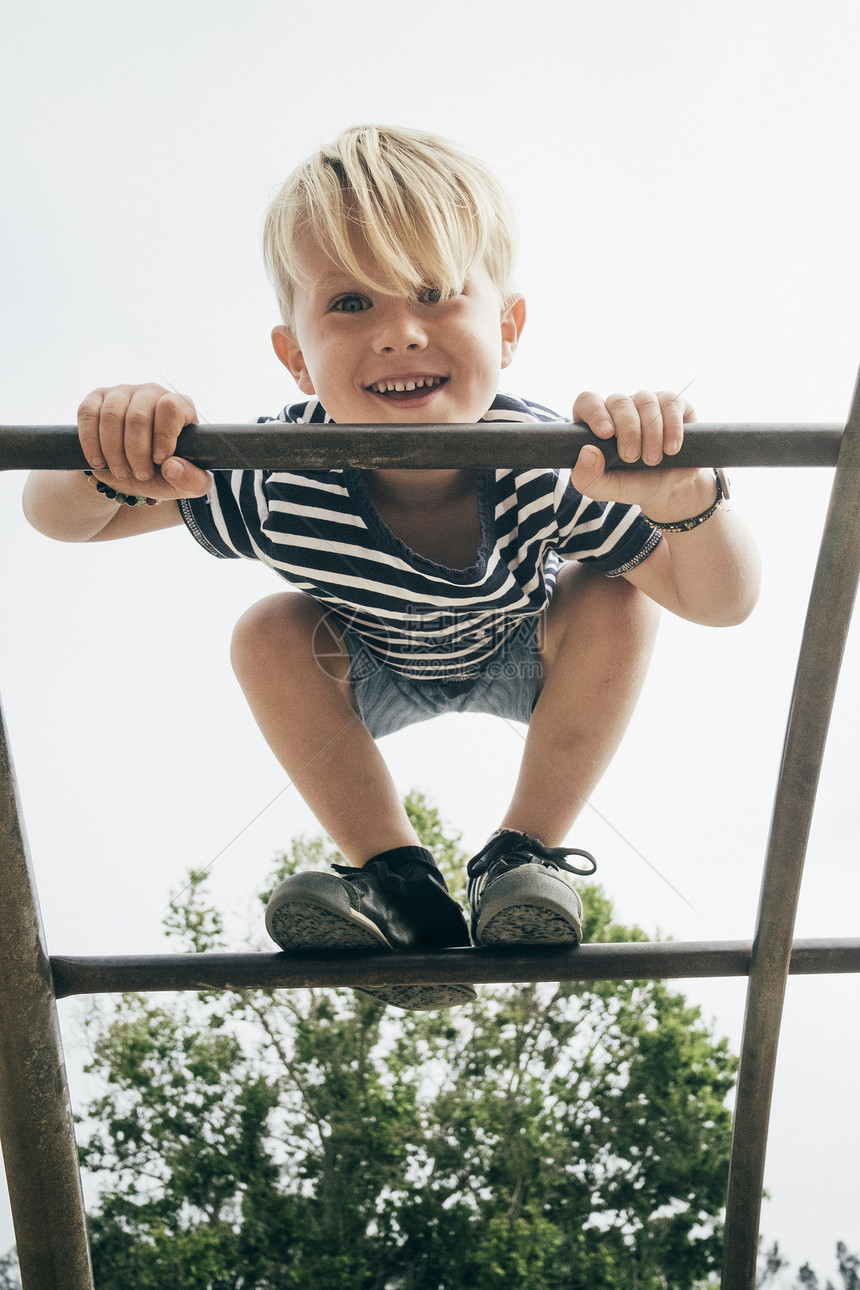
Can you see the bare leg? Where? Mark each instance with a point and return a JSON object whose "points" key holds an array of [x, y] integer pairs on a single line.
{"points": [[290, 662], [599, 637]]}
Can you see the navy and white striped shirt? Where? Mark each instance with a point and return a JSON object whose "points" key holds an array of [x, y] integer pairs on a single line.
{"points": [[320, 530]]}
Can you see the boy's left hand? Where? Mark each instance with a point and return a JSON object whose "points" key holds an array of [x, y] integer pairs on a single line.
{"points": [[646, 425]]}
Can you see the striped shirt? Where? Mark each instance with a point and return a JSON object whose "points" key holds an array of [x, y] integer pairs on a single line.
{"points": [[320, 531]]}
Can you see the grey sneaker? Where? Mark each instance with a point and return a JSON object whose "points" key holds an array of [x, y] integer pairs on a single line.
{"points": [[519, 896], [397, 901]]}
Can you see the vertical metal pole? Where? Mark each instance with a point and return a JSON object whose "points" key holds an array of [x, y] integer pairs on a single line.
{"points": [[827, 622], [36, 1124]]}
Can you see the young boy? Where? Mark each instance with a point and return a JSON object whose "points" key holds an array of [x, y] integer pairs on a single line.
{"points": [[520, 593]]}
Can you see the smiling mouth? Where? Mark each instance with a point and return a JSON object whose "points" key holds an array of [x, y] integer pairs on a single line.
{"points": [[416, 387]]}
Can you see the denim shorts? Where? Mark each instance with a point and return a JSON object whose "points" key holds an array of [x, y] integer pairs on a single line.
{"points": [[506, 686]]}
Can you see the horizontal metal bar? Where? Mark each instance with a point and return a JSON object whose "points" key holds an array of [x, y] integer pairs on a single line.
{"points": [[637, 960], [36, 1123], [274, 446]]}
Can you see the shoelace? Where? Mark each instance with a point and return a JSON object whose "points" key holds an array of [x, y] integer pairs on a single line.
{"points": [[417, 866], [518, 850], [428, 905]]}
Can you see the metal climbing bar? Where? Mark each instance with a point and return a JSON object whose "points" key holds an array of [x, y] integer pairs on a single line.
{"points": [[620, 961], [36, 1124], [826, 629], [274, 446]]}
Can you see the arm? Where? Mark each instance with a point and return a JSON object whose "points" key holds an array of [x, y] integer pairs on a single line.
{"points": [[128, 434], [709, 575]]}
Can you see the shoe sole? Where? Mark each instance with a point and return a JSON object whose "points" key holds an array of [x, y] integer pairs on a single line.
{"points": [[529, 907], [314, 913], [423, 998]]}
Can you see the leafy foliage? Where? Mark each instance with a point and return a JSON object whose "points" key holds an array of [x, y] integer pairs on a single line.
{"points": [[547, 1137], [9, 1279], [774, 1264]]}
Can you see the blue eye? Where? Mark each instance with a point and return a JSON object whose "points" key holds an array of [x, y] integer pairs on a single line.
{"points": [[351, 304], [430, 296]]}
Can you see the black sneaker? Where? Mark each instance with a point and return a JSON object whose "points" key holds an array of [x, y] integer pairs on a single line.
{"points": [[397, 901], [518, 896]]}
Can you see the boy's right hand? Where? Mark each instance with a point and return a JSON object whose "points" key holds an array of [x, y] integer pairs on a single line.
{"points": [[128, 434]]}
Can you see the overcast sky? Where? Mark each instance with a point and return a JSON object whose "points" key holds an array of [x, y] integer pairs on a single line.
{"points": [[686, 181]]}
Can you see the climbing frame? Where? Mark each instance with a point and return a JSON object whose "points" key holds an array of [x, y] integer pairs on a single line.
{"points": [[36, 1123]]}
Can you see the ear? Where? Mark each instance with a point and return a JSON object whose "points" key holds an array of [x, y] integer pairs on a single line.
{"points": [[289, 351], [512, 322]]}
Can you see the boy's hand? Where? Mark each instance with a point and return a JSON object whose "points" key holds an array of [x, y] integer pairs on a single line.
{"points": [[128, 434], [646, 425]]}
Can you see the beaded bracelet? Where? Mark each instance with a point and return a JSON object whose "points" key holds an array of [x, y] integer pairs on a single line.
{"points": [[684, 526], [121, 499]]}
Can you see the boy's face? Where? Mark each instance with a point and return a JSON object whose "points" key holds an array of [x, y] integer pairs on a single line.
{"points": [[351, 345]]}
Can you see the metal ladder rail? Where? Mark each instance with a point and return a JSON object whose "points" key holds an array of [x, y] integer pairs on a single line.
{"points": [[825, 633], [36, 1123], [46, 1178]]}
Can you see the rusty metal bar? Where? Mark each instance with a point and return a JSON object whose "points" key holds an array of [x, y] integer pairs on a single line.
{"points": [[274, 446], [827, 622], [636, 960], [36, 1124]]}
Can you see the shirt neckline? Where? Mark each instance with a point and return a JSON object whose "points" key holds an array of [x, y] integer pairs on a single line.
{"points": [[366, 507]]}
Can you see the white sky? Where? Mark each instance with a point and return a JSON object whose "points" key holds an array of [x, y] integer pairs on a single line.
{"points": [[686, 180]]}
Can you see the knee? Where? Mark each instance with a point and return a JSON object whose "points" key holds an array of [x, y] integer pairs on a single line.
{"points": [[290, 636], [273, 626], [589, 607], [626, 619], [581, 591], [627, 609]]}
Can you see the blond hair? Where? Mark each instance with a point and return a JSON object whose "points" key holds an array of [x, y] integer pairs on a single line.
{"points": [[425, 211]]}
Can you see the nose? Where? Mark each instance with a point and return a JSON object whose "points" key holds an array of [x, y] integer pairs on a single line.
{"points": [[399, 327]]}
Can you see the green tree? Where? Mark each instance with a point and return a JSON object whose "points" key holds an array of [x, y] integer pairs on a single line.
{"points": [[849, 1267], [547, 1137], [9, 1279], [773, 1264]]}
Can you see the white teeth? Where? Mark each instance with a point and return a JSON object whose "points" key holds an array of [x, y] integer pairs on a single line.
{"points": [[420, 383]]}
